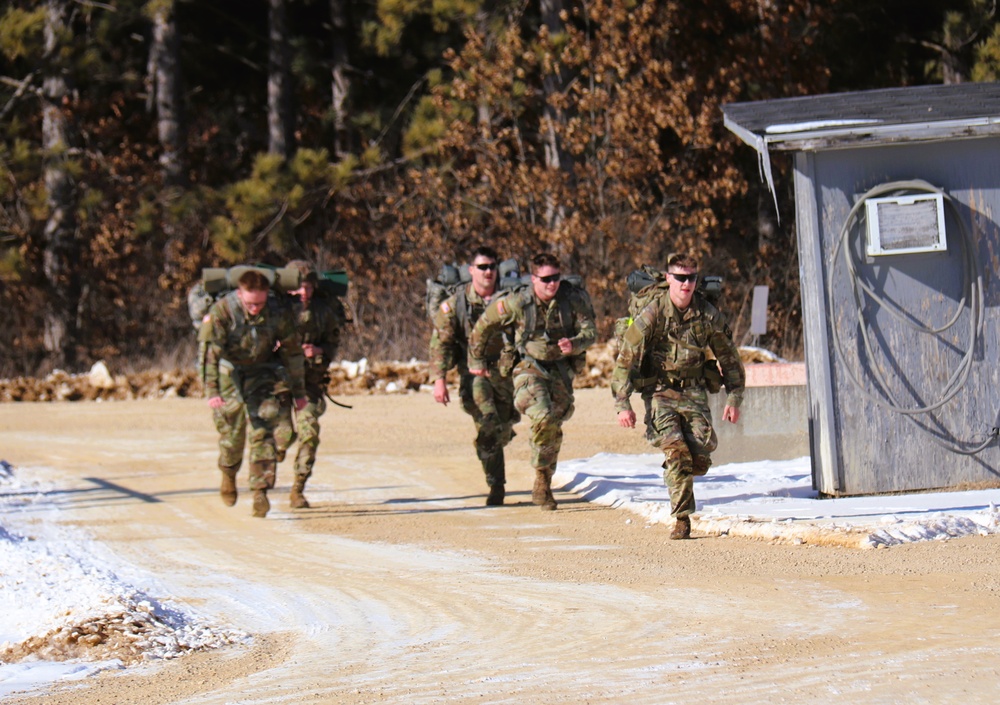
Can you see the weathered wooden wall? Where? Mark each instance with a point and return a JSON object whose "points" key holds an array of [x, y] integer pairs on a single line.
{"points": [[858, 446]]}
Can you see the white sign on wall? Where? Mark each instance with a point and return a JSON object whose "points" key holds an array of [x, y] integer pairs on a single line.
{"points": [[758, 311]]}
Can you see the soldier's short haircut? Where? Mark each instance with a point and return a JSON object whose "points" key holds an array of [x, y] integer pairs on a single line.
{"points": [[253, 280], [681, 260], [485, 251], [544, 259]]}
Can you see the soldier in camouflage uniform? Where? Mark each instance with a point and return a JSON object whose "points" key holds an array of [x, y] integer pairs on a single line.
{"points": [[488, 400], [199, 302], [318, 321], [553, 324], [676, 330], [241, 377]]}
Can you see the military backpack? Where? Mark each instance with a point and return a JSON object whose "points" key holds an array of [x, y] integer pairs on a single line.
{"points": [[452, 281], [646, 284]]}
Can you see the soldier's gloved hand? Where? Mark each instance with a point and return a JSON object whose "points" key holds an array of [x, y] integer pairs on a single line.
{"points": [[441, 391]]}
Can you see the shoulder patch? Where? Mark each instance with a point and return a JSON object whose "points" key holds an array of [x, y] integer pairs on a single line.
{"points": [[502, 307], [445, 307]]}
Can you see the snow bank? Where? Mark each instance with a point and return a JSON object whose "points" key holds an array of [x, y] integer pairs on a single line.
{"points": [[66, 610], [774, 500]]}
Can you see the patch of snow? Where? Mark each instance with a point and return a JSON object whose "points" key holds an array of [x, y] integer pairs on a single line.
{"points": [[68, 610]]}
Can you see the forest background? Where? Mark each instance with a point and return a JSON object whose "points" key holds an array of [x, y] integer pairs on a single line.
{"points": [[143, 140]]}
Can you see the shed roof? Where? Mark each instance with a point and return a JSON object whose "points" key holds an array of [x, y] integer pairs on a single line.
{"points": [[865, 118], [869, 117]]}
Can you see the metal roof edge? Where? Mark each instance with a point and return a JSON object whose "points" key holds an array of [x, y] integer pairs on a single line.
{"points": [[759, 143], [873, 135]]}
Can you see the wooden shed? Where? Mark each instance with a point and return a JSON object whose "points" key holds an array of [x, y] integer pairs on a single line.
{"points": [[897, 200]]}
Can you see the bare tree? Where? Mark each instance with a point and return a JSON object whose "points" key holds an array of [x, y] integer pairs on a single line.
{"points": [[341, 83], [165, 92], [555, 157], [60, 245], [551, 20], [280, 120]]}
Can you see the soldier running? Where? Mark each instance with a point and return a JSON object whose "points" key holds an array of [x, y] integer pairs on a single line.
{"points": [[553, 324], [489, 400], [676, 330], [242, 377], [318, 321]]}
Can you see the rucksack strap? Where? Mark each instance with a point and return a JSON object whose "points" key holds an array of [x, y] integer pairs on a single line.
{"points": [[462, 311]]}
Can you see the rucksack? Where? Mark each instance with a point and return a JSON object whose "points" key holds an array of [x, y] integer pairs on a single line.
{"points": [[216, 282], [644, 285], [452, 280]]}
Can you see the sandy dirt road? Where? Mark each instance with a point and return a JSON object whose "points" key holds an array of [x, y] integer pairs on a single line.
{"points": [[399, 586]]}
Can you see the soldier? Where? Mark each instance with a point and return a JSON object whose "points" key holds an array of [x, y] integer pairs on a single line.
{"points": [[488, 400], [199, 302], [242, 377], [676, 330], [318, 320], [553, 323]]}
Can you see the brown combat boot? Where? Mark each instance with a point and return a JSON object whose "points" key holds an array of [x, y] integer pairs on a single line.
{"points": [[261, 505], [296, 500], [682, 529], [496, 495], [227, 490], [541, 493]]}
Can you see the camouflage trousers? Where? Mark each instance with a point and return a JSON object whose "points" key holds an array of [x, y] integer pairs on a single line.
{"points": [[284, 427], [547, 400], [680, 424], [251, 410], [490, 403], [307, 421]]}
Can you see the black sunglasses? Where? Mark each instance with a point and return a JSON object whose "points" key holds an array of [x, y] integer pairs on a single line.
{"points": [[550, 278], [684, 277], [485, 267]]}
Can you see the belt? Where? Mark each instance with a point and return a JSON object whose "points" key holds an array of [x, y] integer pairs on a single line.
{"points": [[679, 384], [547, 367]]}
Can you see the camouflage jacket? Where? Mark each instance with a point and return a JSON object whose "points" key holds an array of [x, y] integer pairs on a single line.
{"points": [[538, 326], [233, 336], [450, 339], [677, 342], [319, 324]]}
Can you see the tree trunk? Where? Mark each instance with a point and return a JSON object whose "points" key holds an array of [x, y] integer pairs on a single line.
{"points": [[280, 125], [166, 83], [60, 252], [551, 85], [341, 84], [555, 157]]}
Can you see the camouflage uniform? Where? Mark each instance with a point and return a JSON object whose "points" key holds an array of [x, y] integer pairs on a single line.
{"points": [[672, 344], [543, 378], [488, 400], [240, 367], [318, 324]]}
